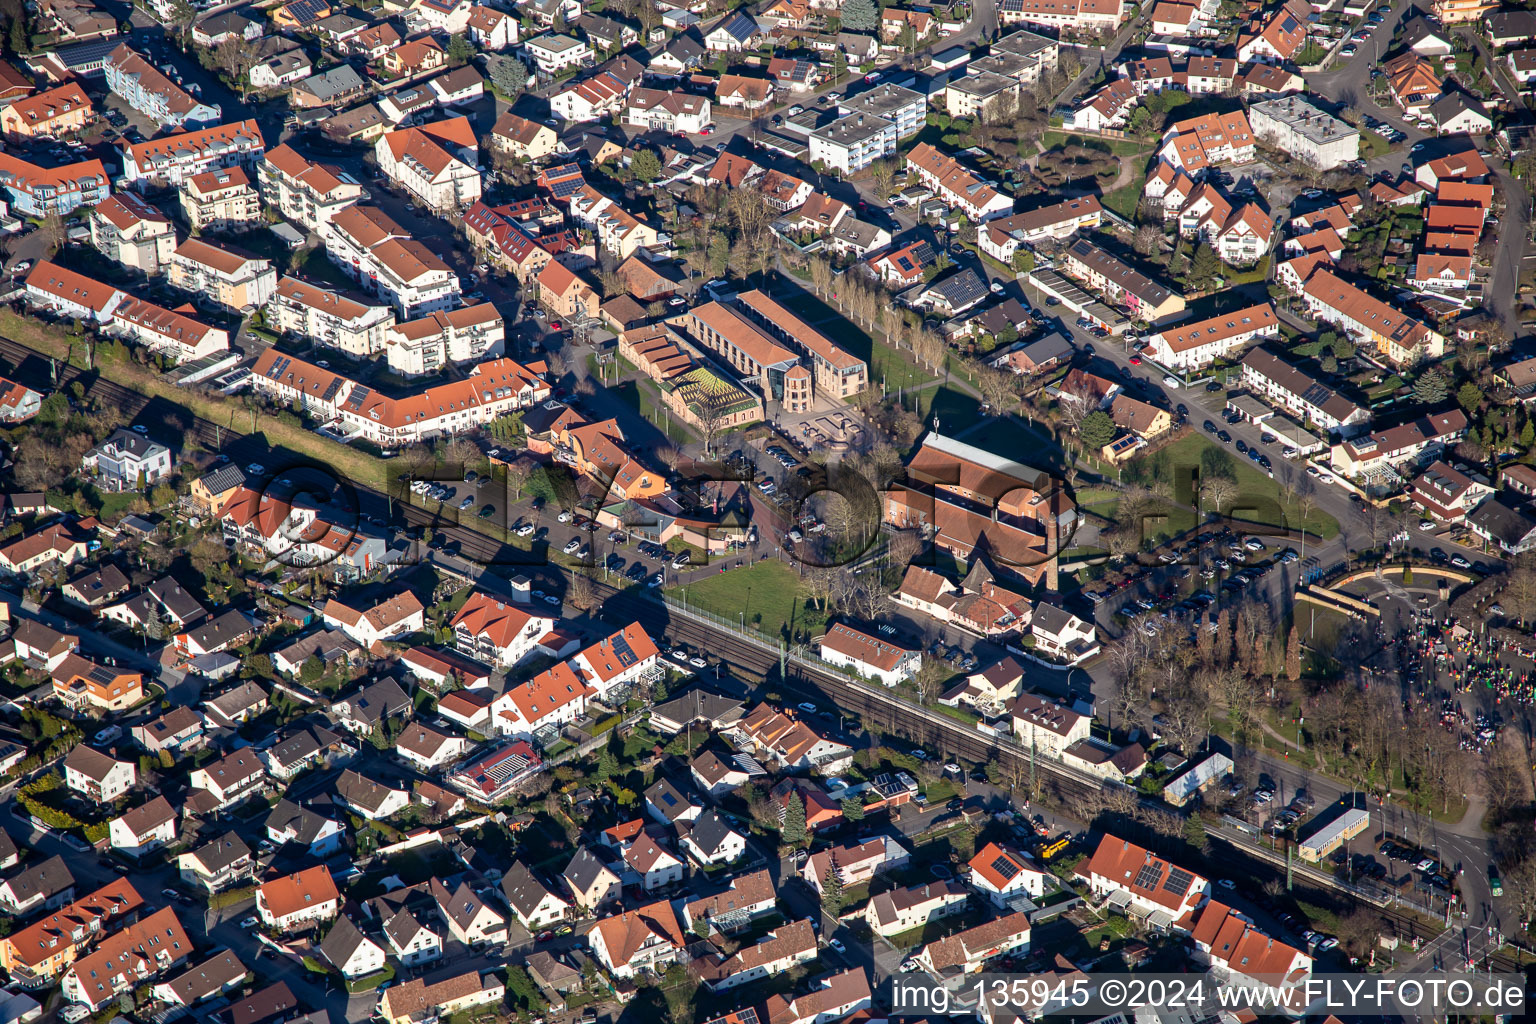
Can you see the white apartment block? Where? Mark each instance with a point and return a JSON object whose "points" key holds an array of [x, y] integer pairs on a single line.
{"points": [[221, 200], [854, 142], [303, 191], [552, 54], [128, 230], [387, 261], [1300, 129], [904, 108], [436, 163], [329, 318], [171, 160], [424, 345]]}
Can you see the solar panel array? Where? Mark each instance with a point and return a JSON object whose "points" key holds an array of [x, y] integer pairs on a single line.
{"points": [[279, 367], [1179, 882], [623, 652], [358, 396], [566, 188], [1148, 876], [1005, 867]]}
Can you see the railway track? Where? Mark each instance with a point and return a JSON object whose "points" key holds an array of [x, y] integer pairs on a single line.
{"points": [[745, 659]]}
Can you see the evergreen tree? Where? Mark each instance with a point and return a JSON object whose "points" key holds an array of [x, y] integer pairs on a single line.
{"points": [[1469, 396], [460, 49], [1096, 430], [607, 765], [646, 165], [832, 892], [860, 16], [853, 810], [1430, 388], [1204, 267], [793, 829], [509, 75]]}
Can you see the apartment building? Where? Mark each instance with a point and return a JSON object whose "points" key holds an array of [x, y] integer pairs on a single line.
{"points": [[166, 332], [904, 108], [387, 261], [901, 910], [237, 282], [147, 90], [40, 191], [304, 191], [1190, 346], [1395, 336], [1199, 143], [436, 163], [496, 631], [169, 161], [425, 345], [552, 54], [1302, 130], [958, 187], [127, 958], [329, 318], [128, 230], [763, 362], [59, 111], [852, 143], [221, 200]]}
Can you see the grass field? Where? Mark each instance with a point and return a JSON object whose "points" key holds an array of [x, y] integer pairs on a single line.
{"points": [[765, 597], [1119, 147], [363, 469], [1259, 499], [887, 366]]}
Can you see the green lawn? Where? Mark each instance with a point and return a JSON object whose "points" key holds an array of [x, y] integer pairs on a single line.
{"points": [[887, 366], [1118, 147], [765, 596], [1258, 497], [640, 396]]}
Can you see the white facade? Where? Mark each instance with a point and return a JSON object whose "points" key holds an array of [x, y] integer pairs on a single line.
{"points": [[852, 143], [329, 318]]}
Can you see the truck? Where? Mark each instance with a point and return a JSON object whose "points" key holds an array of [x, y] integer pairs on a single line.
{"points": [[1495, 883]]}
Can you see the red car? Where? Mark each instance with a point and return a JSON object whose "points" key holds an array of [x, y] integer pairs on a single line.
{"points": [[1135, 360], [544, 936], [554, 325]]}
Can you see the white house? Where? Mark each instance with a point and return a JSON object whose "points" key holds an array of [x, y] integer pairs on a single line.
{"points": [[711, 840], [300, 900], [869, 656], [901, 910], [97, 776], [1127, 876], [144, 828], [1004, 875], [1190, 346], [394, 617], [351, 952], [436, 163]]}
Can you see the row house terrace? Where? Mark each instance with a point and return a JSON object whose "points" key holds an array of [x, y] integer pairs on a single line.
{"points": [[1190, 346], [505, 240], [491, 390], [174, 159], [386, 260], [305, 191], [958, 187], [1395, 336]]}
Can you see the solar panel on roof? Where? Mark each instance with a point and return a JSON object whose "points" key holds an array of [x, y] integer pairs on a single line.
{"points": [[357, 397], [1005, 867], [279, 367], [1179, 882], [568, 187], [1148, 876]]}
